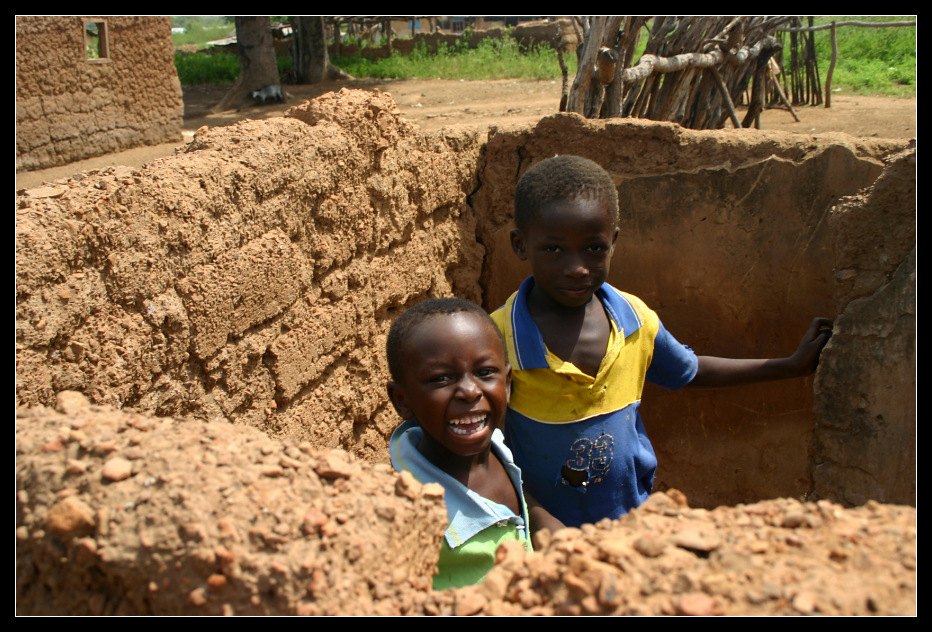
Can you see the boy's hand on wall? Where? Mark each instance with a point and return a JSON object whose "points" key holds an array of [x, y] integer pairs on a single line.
{"points": [[806, 357]]}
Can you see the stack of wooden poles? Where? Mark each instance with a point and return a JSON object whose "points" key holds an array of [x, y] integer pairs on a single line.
{"points": [[694, 70]]}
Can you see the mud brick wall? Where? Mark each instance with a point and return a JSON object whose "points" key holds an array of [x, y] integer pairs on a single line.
{"points": [[253, 278], [69, 108]]}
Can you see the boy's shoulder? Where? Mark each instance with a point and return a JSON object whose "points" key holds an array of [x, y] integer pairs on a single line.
{"points": [[638, 305], [468, 511], [498, 317], [628, 310]]}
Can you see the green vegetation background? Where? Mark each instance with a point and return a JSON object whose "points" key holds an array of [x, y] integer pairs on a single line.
{"points": [[870, 60]]}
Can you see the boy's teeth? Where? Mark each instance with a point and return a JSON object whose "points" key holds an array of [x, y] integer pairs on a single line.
{"points": [[474, 419], [468, 425]]}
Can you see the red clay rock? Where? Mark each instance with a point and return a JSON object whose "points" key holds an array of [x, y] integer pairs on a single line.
{"points": [[116, 469], [70, 516]]}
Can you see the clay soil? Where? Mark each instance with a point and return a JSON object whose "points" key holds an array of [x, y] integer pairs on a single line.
{"points": [[123, 513], [433, 104]]}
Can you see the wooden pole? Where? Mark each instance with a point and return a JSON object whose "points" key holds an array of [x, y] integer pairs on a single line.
{"points": [[831, 69], [729, 104], [783, 99], [565, 93]]}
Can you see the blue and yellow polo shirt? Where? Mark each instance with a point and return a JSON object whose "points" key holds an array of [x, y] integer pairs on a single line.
{"points": [[578, 439]]}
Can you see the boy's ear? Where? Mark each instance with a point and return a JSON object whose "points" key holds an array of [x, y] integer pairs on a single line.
{"points": [[614, 237], [517, 244], [508, 384], [399, 400]]}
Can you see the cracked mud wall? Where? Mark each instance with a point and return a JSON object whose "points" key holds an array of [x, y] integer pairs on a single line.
{"points": [[69, 107], [252, 278], [865, 438]]}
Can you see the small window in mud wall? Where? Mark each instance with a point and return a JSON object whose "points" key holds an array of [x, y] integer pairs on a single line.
{"points": [[96, 40]]}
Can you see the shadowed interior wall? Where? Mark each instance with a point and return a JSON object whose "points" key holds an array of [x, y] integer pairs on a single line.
{"points": [[726, 237]]}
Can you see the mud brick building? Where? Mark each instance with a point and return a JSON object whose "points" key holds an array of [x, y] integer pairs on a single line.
{"points": [[87, 86]]}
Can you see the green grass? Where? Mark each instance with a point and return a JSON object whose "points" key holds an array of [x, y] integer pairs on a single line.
{"points": [[870, 60], [492, 59], [196, 68]]}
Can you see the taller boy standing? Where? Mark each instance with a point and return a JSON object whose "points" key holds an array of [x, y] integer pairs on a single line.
{"points": [[581, 350]]}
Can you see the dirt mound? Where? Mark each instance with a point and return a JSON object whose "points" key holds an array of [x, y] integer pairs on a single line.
{"points": [[123, 513], [769, 558], [154, 516]]}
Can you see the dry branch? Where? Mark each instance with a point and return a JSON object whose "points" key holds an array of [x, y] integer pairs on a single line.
{"points": [[651, 63]]}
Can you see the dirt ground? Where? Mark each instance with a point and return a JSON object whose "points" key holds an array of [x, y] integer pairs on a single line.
{"points": [[433, 104], [109, 522]]}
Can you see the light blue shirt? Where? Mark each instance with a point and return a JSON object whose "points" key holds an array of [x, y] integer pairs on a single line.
{"points": [[469, 513]]}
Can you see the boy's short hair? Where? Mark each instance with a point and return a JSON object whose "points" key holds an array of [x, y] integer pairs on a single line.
{"points": [[562, 178], [404, 325]]}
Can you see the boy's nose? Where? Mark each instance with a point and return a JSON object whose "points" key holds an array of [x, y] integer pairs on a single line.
{"points": [[576, 266], [468, 388]]}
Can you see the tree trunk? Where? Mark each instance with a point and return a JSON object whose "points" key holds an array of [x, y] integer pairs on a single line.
{"points": [[257, 64], [309, 53], [309, 57]]}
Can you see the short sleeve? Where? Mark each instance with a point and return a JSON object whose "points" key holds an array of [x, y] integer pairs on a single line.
{"points": [[673, 365]]}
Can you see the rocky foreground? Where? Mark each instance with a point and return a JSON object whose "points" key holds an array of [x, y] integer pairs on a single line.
{"points": [[125, 513]]}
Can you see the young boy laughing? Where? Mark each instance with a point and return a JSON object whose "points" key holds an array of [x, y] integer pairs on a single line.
{"points": [[582, 350], [451, 384]]}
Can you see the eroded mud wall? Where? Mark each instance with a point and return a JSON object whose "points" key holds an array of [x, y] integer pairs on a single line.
{"points": [[70, 107], [865, 439], [252, 278], [726, 237]]}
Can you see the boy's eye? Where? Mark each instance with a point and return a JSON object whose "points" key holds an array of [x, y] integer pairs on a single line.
{"points": [[438, 379], [486, 372], [551, 248]]}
